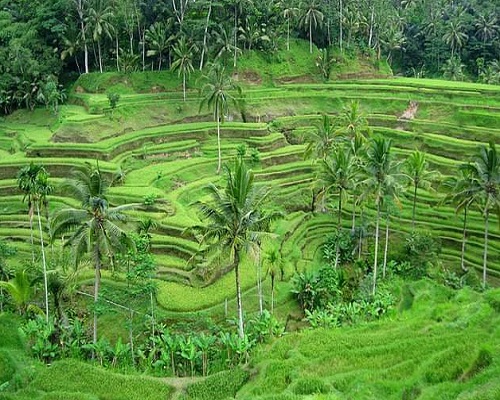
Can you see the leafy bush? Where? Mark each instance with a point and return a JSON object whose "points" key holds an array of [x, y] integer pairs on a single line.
{"points": [[219, 386], [346, 247]]}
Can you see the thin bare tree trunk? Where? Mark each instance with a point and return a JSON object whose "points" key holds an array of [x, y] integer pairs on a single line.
{"points": [[376, 249], [44, 265], [485, 254], [205, 34], [241, 331], [464, 240], [97, 283], [386, 247], [219, 164]]}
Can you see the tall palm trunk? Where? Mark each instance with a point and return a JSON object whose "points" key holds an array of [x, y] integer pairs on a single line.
{"points": [[414, 205], [386, 244], [310, 38], [219, 163], [205, 34], [184, 85], [30, 212], [97, 284], [44, 264], [241, 331], [464, 240], [485, 254], [99, 55], [235, 33], [340, 25], [339, 228], [376, 249], [288, 35]]}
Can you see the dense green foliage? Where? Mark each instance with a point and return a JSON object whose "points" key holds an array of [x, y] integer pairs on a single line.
{"points": [[45, 40]]}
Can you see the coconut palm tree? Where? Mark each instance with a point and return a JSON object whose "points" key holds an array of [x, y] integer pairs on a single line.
{"points": [[455, 35], [485, 172], [339, 175], [217, 94], [93, 226], [158, 42], [100, 20], [463, 193], [416, 171], [33, 181], [353, 123], [275, 264], [380, 182], [322, 139], [235, 219], [183, 60], [289, 13], [311, 18]]}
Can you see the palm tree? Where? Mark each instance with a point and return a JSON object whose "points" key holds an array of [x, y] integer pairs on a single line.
{"points": [[463, 193], [216, 96], [339, 175], [33, 181], [353, 122], [289, 13], [417, 174], [311, 18], [275, 264], [235, 219], [183, 60], [99, 18], [485, 172], [321, 141], [158, 42], [381, 183], [455, 35], [93, 225], [486, 29], [21, 291]]}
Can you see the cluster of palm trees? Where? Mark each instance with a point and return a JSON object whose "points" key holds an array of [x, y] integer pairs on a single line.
{"points": [[94, 228], [354, 166]]}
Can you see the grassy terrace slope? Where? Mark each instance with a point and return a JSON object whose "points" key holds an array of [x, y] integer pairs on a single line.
{"points": [[166, 150], [444, 345]]}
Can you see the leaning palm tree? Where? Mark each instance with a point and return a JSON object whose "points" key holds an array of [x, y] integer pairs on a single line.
{"points": [[217, 94], [416, 172], [235, 220], [380, 182], [33, 181], [93, 226], [183, 60], [485, 172]]}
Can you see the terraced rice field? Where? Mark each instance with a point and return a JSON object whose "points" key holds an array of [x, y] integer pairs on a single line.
{"points": [[166, 151]]}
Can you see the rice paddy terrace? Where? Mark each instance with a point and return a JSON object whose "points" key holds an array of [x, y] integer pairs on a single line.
{"points": [[164, 151]]}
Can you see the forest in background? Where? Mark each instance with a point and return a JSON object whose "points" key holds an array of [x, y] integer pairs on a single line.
{"points": [[46, 43]]}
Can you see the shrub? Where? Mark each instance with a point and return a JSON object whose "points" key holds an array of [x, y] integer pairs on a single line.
{"points": [[220, 386], [346, 246]]}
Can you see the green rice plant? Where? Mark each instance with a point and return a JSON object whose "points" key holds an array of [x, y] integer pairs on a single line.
{"points": [[220, 386]]}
